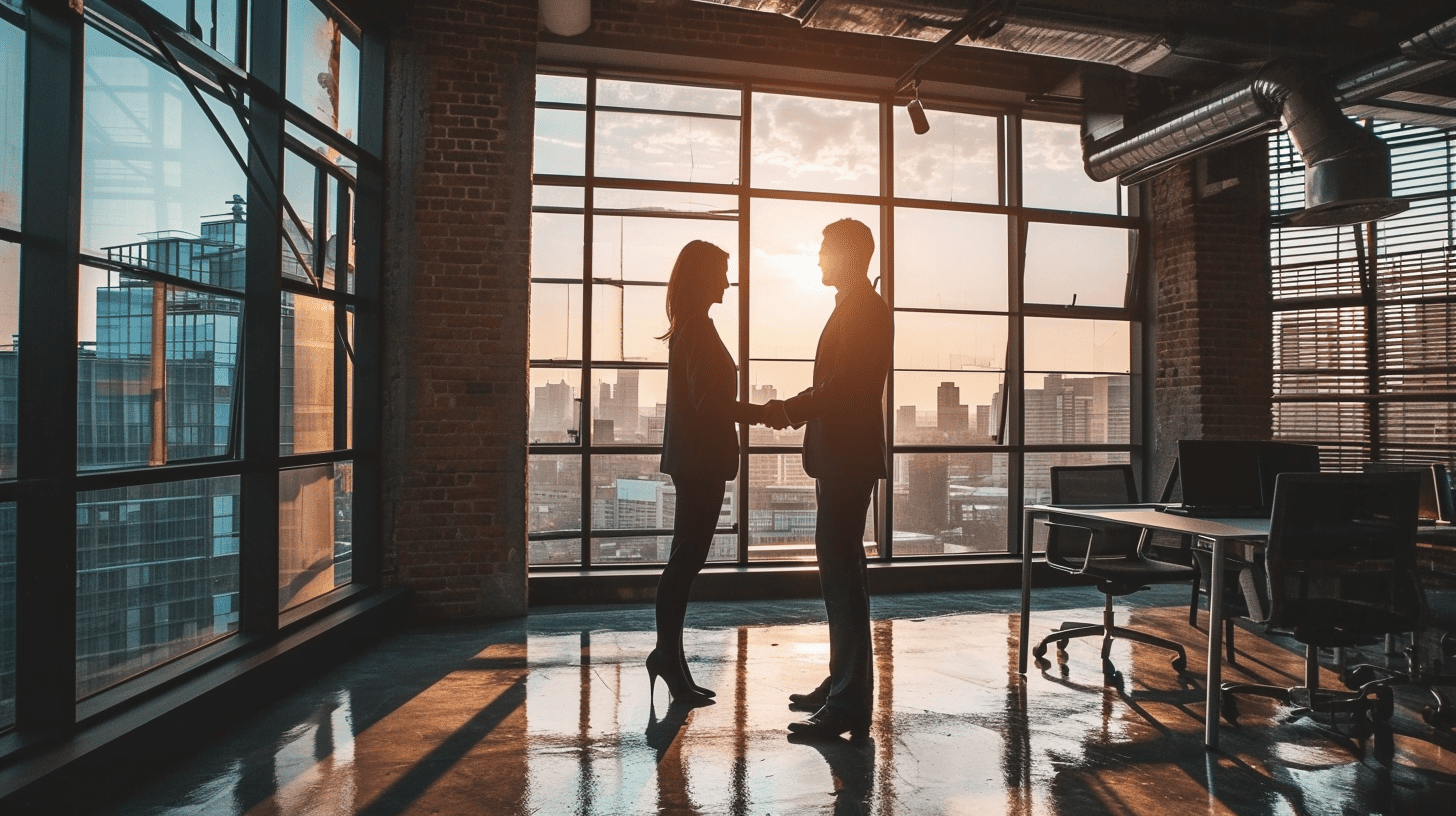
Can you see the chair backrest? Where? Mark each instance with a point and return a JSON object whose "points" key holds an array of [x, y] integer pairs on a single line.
{"points": [[1068, 548], [1341, 554], [1093, 484]]}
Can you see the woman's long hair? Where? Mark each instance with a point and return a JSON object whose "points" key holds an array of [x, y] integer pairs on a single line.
{"points": [[685, 287]]}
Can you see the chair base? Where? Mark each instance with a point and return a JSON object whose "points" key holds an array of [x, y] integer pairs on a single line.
{"points": [[1108, 630]]}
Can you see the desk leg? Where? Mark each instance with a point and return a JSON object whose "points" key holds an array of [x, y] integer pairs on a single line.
{"points": [[1215, 645], [1021, 646]]}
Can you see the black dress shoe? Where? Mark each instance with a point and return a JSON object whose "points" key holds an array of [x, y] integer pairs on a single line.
{"points": [[813, 701], [826, 724]]}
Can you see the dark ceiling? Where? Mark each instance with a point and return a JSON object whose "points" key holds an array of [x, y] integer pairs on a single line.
{"points": [[1196, 44]]}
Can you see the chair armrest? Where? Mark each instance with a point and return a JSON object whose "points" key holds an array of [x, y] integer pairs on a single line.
{"points": [[1060, 560]]}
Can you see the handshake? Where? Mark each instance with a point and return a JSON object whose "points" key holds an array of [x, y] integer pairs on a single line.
{"points": [[773, 415]]}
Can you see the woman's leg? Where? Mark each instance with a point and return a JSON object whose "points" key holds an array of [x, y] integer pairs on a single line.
{"points": [[699, 502]]}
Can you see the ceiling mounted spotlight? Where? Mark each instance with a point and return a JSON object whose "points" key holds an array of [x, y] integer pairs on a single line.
{"points": [[917, 112]]}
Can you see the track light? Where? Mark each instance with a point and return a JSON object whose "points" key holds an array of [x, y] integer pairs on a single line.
{"points": [[917, 112]]}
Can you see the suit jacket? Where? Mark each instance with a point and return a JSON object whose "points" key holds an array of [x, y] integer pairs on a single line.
{"points": [[698, 437], [846, 433]]}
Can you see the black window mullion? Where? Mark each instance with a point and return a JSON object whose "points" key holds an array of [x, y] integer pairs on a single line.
{"points": [[366, 231], [45, 613], [584, 430], [263, 324], [745, 312]]}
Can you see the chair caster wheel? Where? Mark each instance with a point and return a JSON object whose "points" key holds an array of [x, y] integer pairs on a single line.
{"points": [[1228, 707], [1039, 651], [1062, 646], [1180, 664], [1438, 716], [1384, 704]]}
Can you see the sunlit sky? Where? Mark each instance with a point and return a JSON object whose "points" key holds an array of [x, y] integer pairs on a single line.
{"points": [[945, 260]]}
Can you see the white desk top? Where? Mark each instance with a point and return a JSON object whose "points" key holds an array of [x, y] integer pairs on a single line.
{"points": [[1149, 516]]}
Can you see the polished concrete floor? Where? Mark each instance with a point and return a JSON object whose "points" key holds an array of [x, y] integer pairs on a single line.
{"points": [[551, 715]]}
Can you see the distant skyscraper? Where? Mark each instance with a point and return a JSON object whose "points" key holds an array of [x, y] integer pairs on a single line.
{"points": [[950, 415]]}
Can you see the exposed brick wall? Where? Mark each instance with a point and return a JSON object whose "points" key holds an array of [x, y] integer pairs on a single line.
{"points": [[457, 269], [1211, 283]]}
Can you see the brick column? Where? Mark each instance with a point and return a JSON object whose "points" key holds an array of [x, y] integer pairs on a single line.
{"points": [[457, 293], [1213, 365]]}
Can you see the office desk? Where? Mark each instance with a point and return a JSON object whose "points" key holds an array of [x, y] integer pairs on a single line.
{"points": [[1219, 532]]}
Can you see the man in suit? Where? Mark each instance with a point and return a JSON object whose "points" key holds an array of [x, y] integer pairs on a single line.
{"points": [[844, 450]]}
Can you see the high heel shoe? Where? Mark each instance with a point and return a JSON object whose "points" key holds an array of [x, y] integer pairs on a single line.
{"points": [[682, 658], [682, 690]]}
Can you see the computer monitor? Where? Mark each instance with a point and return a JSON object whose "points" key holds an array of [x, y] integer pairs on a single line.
{"points": [[1236, 477], [1436, 498]]}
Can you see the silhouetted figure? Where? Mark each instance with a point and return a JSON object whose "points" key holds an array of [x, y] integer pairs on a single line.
{"points": [[844, 450], [699, 448]]}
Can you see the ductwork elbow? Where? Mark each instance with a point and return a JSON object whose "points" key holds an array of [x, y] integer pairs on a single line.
{"points": [[1347, 168]]}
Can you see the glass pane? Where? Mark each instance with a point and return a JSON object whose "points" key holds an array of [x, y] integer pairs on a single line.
{"points": [[12, 128], [156, 575], [202, 368], [556, 494], [306, 375], [1038, 482], [1052, 176], [153, 167], [1073, 410], [628, 406], [315, 508], [556, 245], [300, 188], [666, 147], [790, 303], [823, 145], [7, 614], [630, 493], [640, 500], [1065, 344], [215, 23], [555, 405], [950, 503], [567, 89], [560, 142], [781, 508], [627, 320], [950, 260], [547, 195], [956, 161], [777, 380], [950, 342], [118, 418], [941, 408], [1067, 264], [9, 355], [645, 249], [323, 67], [555, 321], [666, 97]]}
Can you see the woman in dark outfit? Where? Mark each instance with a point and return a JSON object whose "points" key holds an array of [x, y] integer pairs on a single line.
{"points": [[699, 448]]}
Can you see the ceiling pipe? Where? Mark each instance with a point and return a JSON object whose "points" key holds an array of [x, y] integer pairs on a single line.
{"points": [[1347, 167]]}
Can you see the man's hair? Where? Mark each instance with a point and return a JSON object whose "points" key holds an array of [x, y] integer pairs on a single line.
{"points": [[854, 239]]}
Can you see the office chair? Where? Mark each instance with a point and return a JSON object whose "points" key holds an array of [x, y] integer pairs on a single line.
{"points": [[1339, 571], [1113, 554]]}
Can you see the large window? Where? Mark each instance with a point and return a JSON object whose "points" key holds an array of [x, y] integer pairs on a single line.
{"points": [[213, 271], [1014, 333], [1365, 315]]}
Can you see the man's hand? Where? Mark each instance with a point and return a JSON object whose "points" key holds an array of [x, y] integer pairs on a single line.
{"points": [[774, 415]]}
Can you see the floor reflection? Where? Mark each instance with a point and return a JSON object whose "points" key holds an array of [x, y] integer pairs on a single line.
{"points": [[553, 716]]}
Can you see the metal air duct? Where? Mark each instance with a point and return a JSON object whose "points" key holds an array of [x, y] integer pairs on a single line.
{"points": [[1347, 168]]}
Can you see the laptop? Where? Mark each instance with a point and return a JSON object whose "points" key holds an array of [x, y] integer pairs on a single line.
{"points": [[1235, 478]]}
